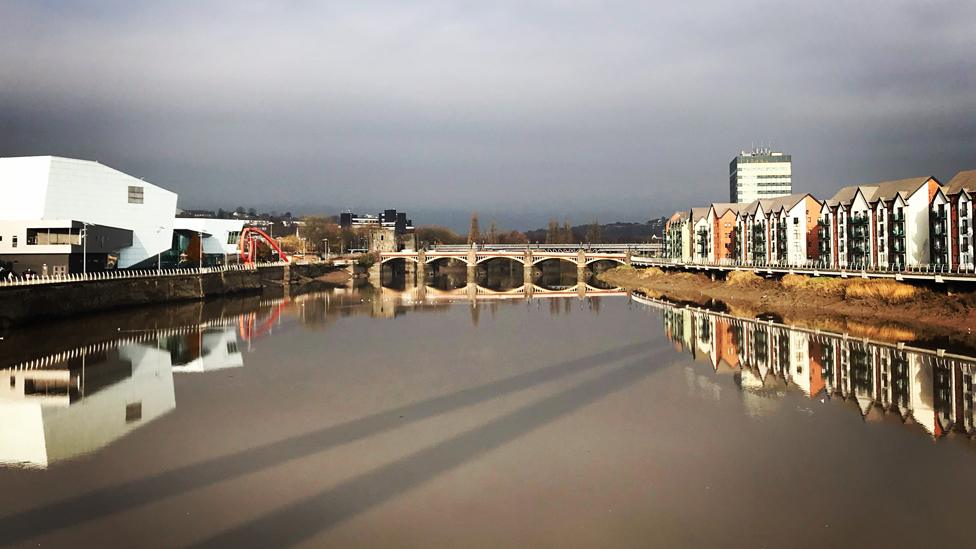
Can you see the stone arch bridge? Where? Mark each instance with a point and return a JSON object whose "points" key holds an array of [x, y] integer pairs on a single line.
{"points": [[581, 256], [527, 256]]}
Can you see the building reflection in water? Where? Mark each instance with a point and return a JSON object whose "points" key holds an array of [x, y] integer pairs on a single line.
{"points": [[75, 402], [932, 389]]}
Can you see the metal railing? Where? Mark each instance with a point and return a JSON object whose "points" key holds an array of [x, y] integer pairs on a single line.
{"points": [[550, 247], [121, 274], [815, 266]]}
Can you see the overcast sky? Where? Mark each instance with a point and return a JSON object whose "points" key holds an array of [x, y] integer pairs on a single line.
{"points": [[520, 110]]}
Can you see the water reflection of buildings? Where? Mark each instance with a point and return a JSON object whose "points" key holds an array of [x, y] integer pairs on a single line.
{"points": [[72, 402], [930, 388], [75, 402]]}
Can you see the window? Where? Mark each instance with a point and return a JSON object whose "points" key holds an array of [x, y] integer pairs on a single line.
{"points": [[133, 412], [233, 237], [13, 243], [135, 194]]}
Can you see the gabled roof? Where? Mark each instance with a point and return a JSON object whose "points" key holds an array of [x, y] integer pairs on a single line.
{"points": [[962, 181], [698, 214], [905, 187], [882, 190], [679, 216], [751, 208], [780, 202], [721, 208]]}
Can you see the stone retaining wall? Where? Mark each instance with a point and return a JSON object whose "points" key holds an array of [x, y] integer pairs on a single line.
{"points": [[24, 304]]}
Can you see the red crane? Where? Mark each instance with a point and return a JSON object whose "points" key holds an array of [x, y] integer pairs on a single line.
{"points": [[248, 245]]}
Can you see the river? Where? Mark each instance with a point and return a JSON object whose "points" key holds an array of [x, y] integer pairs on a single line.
{"points": [[476, 417]]}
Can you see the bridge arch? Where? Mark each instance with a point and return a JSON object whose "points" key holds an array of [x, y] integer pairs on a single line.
{"points": [[567, 259], [428, 260], [517, 259], [617, 260], [384, 260]]}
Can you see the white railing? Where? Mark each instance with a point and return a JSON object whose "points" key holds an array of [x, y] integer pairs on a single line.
{"points": [[552, 247], [928, 268], [120, 274]]}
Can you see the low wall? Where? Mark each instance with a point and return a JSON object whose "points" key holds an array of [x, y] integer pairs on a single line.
{"points": [[24, 304]]}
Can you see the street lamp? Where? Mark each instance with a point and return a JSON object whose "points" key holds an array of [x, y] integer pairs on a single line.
{"points": [[159, 255], [84, 247]]}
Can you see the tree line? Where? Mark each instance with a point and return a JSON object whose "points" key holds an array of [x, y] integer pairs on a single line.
{"points": [[318, 231]]}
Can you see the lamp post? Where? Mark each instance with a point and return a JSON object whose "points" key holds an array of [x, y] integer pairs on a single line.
{"points": [[159, 255], [84, 247]]}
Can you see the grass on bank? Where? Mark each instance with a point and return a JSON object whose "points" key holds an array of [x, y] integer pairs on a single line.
{"points": [[743, 278], [883, 290], [888, 291]]}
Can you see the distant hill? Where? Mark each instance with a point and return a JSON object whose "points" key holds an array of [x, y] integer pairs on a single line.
{"points": [[610, 233]]}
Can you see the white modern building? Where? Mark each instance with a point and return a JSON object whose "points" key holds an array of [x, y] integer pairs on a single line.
{"points": [[760, 174], [54, 211], [219, 238], [62, 216]]}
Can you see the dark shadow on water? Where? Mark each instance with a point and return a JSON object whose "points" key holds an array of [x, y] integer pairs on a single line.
{"points": [[124, 497], [303, 519]]}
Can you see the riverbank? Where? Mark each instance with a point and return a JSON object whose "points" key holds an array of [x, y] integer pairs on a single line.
{"points": [[21, 305], [880, 309]]}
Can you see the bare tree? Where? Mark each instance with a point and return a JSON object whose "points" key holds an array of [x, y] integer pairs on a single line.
{"points": [[593, 233], [552, 233], [474, 233], [492, 234]]}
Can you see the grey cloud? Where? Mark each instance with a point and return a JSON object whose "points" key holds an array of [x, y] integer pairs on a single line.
{"points": [[629, 109]]}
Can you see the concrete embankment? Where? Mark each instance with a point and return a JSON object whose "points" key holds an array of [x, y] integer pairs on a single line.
{"points": [[25, 304]]}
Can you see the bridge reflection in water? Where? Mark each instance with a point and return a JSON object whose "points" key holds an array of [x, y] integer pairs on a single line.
{"points": [[930, 389]]}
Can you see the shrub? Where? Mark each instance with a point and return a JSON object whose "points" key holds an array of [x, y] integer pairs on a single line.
{"points": [[820, 285], [743, 278], [367, 260], [649, 272], [888, 291]]}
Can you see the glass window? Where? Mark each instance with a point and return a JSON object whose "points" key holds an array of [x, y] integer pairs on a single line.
{"points": [[135, 194], [233, 237], [13, 243], [133, 412]]}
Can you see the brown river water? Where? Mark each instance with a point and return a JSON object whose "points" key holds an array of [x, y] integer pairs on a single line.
{"points": [[476, 417]]}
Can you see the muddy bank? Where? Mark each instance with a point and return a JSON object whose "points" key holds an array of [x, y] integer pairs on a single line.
{"points": [[886, 311]]}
